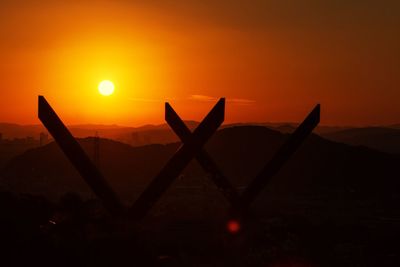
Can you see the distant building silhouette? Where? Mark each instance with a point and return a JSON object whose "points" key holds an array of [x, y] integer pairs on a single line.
{"points": [[30, 140], [43, 139]]}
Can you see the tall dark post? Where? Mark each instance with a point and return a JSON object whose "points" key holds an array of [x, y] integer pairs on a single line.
{"points": [[97, 150]]}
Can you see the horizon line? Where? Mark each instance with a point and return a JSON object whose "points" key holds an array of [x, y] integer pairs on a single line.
{"points": [[278, 123]]}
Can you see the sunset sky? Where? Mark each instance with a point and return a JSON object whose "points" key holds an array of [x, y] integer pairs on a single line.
{"points": [[272, 60]]}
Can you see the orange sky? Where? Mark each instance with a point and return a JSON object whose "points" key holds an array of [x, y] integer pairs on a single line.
{"points": [[272, 60]]}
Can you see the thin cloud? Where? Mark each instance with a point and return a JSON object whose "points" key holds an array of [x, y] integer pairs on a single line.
{"points": [[138, 99], [206, 98], [241, 101]]}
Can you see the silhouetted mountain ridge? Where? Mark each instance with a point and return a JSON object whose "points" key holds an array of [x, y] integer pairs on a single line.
{"points": [[380, 138], [320, 168]]}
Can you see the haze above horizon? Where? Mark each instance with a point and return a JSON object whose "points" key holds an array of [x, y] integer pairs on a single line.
{"points": [[273, 61]]}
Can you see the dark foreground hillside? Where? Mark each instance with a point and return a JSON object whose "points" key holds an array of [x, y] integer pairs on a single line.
{"points": [[76, 233], [331, 205]]}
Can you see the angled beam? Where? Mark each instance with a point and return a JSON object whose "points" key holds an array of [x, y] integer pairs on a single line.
{"points": [[179, 161], [283, 154], [78, 157], [204, 159]]}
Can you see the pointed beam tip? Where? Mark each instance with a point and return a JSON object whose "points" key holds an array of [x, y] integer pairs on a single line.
{"points": [[41, 103], [313, 118], [220, 103], [219, 109], [317, 110], [168, 111], [168, 105]]}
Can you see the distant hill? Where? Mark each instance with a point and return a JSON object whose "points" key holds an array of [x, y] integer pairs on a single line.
{"points": [[146, 134], [45, 170], [11, 130], [9, 150], [383, 139], [137, 136], [321, 169], [394, 126]]}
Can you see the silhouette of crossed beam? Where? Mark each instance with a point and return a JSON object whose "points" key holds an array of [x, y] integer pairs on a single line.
{"points": [[241, 203], [179, 160], [157, 186], [281, 156], [204, 159], [192, 147], [78, 157]]}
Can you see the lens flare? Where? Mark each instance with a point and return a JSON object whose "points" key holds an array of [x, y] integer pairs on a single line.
{"points": [[233, 226]]}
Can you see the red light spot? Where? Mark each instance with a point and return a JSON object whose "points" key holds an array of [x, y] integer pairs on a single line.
{"points": [[233, 226]]}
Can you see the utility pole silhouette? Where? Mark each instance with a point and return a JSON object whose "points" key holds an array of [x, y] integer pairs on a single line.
{"points": [[96, 153]]}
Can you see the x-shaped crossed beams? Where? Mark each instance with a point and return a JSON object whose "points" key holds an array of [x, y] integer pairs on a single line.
{"points": [[192, 147], [179, 160], [204, 159], [241, 203], [281, 157], [157, 186]]}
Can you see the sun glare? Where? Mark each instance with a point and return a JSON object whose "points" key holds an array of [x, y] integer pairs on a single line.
{"points": [[106, 88]]}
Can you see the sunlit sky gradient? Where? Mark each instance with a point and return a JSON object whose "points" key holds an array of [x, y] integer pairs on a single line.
{"points": [[273, 60]]}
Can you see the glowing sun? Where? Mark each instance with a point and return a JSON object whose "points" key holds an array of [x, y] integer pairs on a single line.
{"points": [[106, 88]]}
